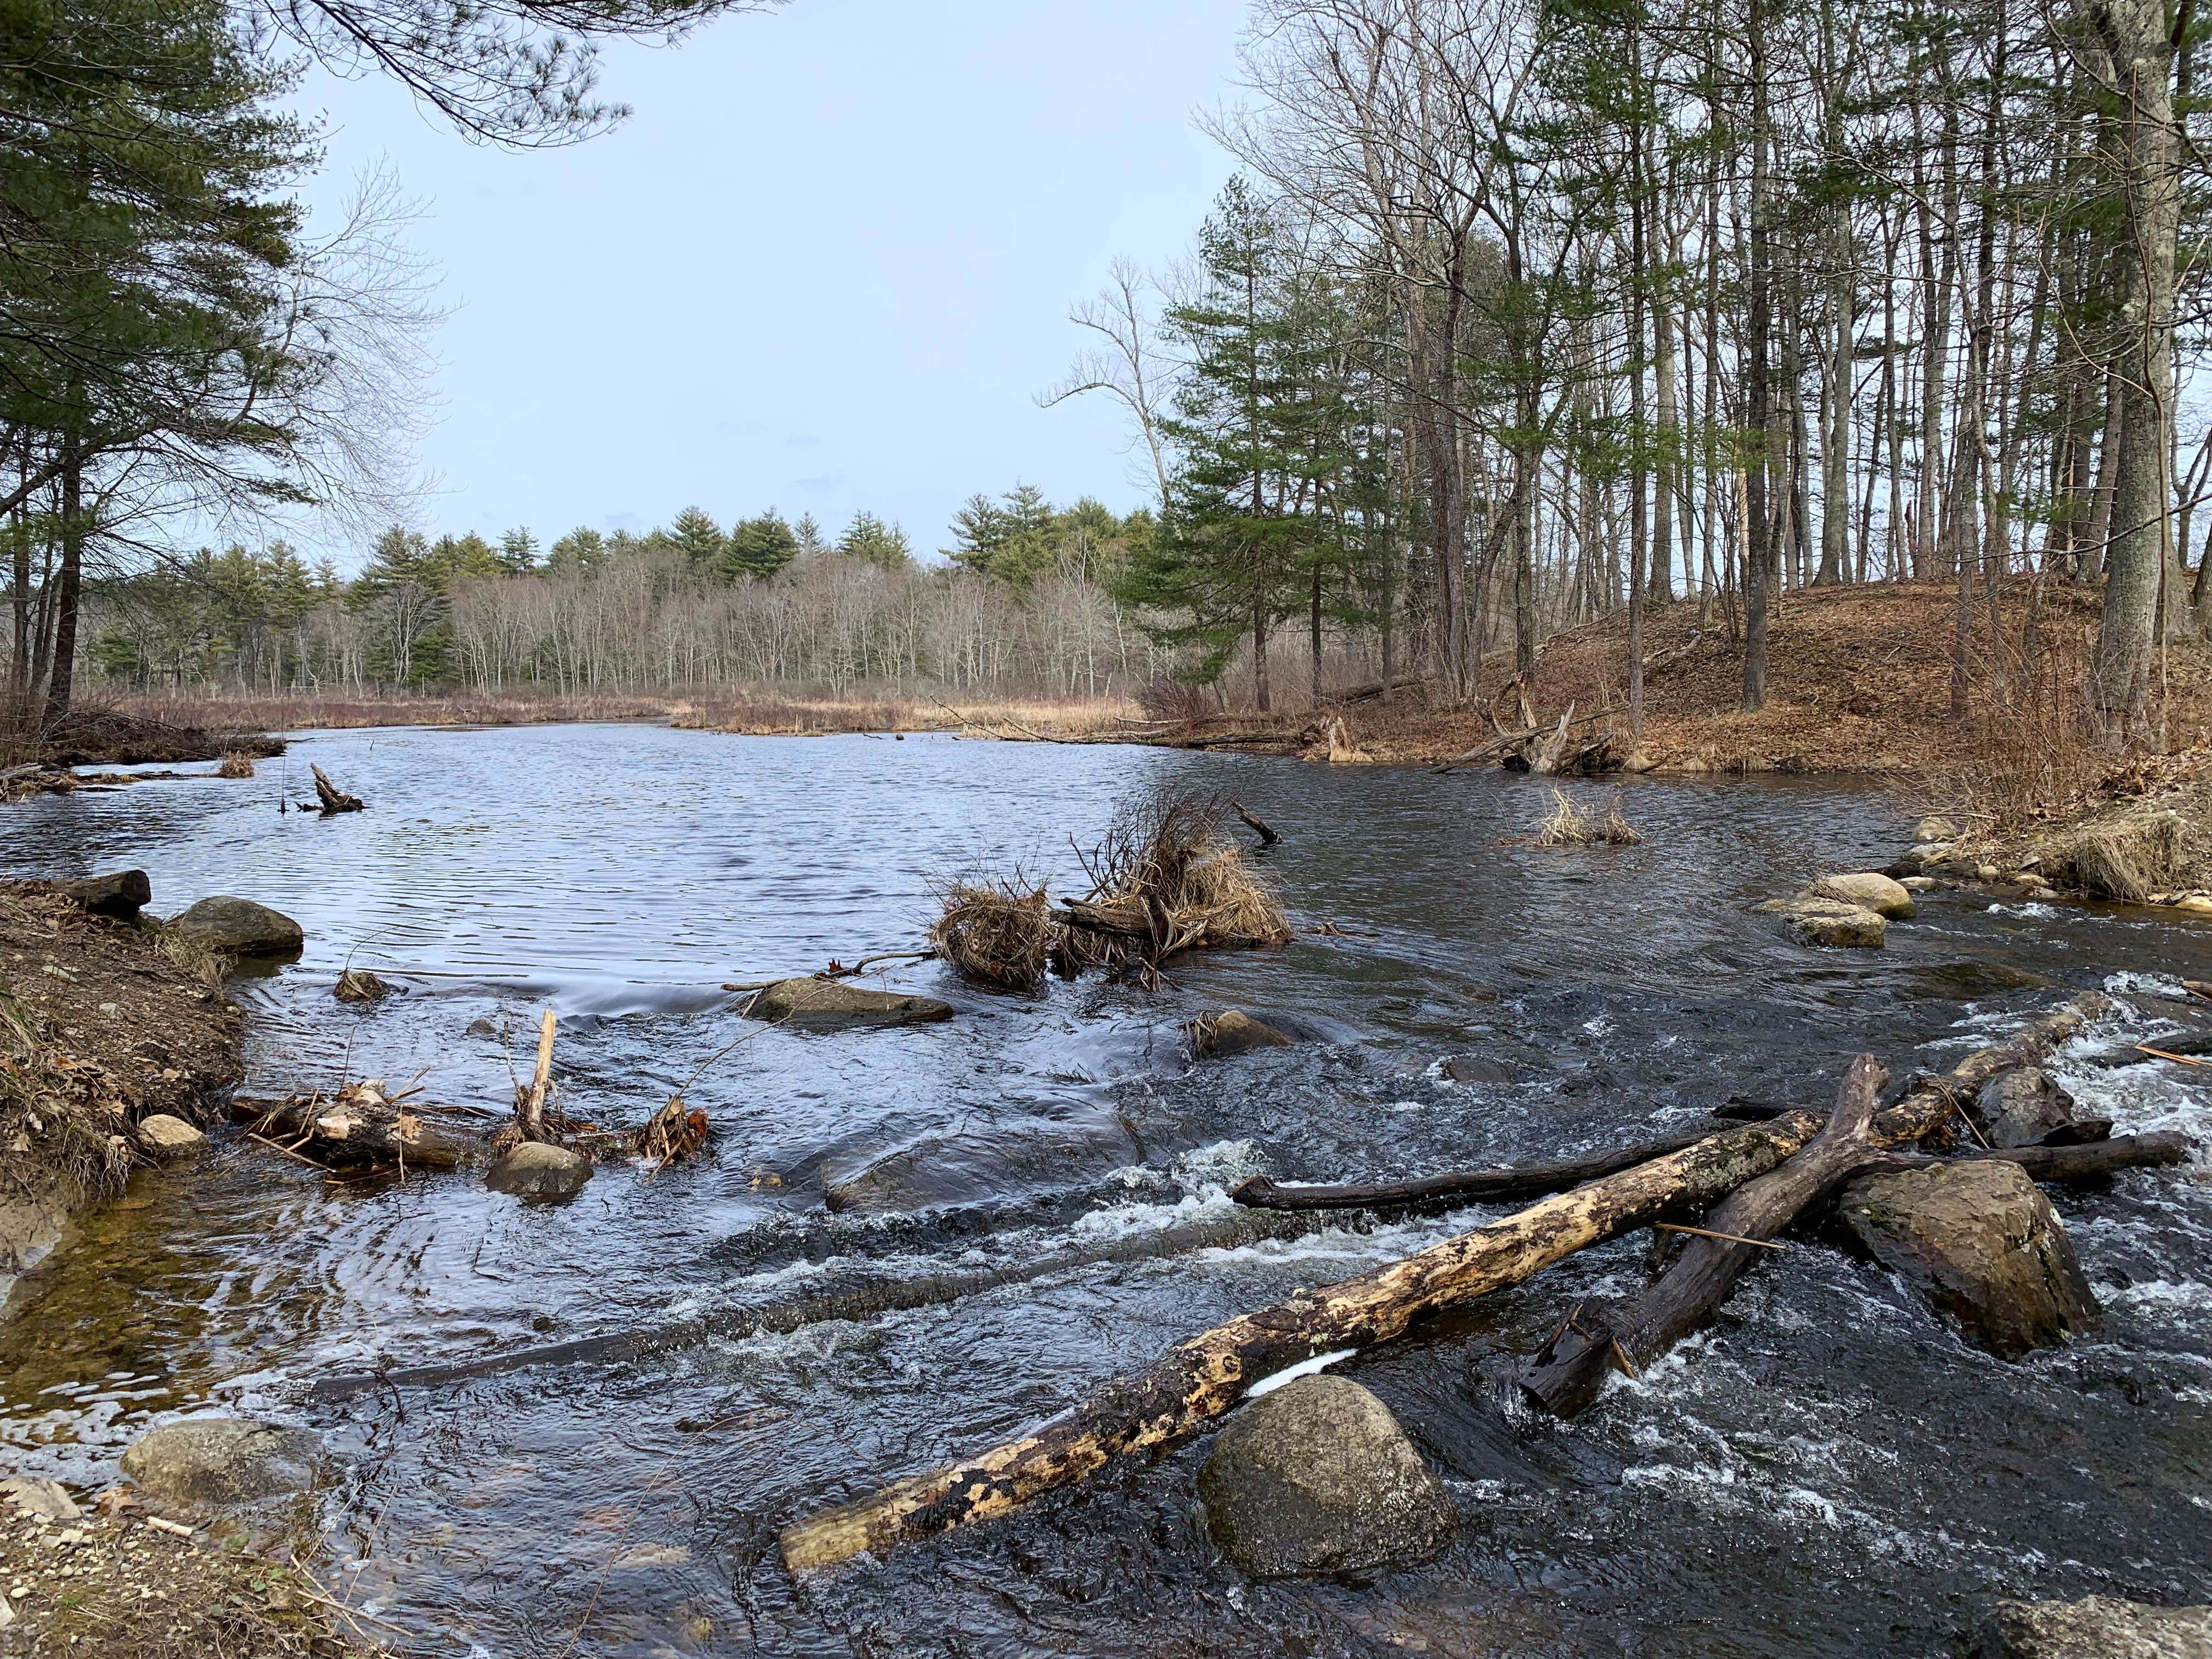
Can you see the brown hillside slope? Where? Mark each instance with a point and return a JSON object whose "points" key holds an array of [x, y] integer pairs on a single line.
{"points": [[1859, 679]]}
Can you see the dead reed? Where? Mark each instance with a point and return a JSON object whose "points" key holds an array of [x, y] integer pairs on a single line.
{"points": [[1571, 826], [996, 929], [235, 764]]}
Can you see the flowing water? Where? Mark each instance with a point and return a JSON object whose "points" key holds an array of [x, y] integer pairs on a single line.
{"points": [[1826, 1469]]}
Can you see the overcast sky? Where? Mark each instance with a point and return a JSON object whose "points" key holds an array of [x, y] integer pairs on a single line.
{"points": [[824, 266]]}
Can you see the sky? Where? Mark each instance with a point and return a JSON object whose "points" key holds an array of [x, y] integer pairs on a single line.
{"points": [[826, 265]]}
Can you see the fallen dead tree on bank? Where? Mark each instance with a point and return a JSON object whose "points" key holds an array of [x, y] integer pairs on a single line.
{"points": [[1206, 1376]]}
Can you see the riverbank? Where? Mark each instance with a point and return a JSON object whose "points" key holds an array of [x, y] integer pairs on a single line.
{"points": [[106, 1022], [741, 712]]}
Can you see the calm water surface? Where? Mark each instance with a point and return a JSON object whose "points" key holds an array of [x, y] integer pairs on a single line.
{"points": [[1826, 1470]]}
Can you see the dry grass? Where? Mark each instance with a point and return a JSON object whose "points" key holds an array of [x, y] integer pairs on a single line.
{"points": [[117, 734], [300, 711], [998, 930], [1166, 878], [2128, 857], [1571, 826], [188, 952], [64, 1126], [235, 764]]}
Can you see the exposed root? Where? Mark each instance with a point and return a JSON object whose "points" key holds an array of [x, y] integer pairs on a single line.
{"points": [[998, 930]]}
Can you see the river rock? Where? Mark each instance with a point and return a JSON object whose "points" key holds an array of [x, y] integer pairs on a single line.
{"points": [[2095, 1627], [1935, 829], [1233, 1032], [2019, 1107], [170, 1138], [39, 1500], [1318, 1477], [535, 1169], [239, 928], [1829, 922], [223, 1460], [1980, 1240], [828, 1004], [1869, 889], [121, 895]]}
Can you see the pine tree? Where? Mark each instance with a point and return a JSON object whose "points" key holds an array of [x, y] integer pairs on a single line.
{"points": [[699, 538], [869, 537], [759, 547]]}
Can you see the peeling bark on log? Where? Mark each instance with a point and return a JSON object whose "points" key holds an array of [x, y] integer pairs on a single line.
{"points": [[1570, 1370], [1465, 1186], [1206, 1376], [356, 1127]]}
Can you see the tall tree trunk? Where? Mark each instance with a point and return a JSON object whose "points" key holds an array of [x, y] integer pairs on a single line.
{"points": [[2134, 32], [1759, 421], [61, 682]]}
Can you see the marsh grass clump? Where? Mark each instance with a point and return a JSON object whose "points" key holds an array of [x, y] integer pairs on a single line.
{"points": [[235, 764], [1571, 826], [1167, 878], [996, 929], [189, 953], [2127, 858]]}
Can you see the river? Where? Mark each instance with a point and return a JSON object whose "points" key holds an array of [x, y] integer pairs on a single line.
{"points": [[1826, 1470]]}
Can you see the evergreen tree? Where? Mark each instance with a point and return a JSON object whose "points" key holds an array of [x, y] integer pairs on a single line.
{"points": [[869, 537], [699, 538], [808, 533], [759, 547], [581, 551], [518, 552]]}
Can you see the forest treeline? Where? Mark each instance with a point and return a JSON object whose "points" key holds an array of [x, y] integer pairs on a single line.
{"points": [[1517, 313], [1024, 602], [1523, 312]]}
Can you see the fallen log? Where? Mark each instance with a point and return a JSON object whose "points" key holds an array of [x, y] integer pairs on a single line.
{"points": [[1932, 1104], [1465, 1186], [1259, 826], [2085, 1161], [334, 799], [1571, 1368], [1206, 1376], [358, 1126], [864, 1298]]}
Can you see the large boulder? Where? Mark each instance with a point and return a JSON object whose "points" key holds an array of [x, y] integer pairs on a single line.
{"points": [[223, 1460], [239, 928], [1829, 922], [121, 895], [2095, 1627], [1233, 1032], [828, 1004], [1318, 1477], [1870, 890], [535, 1169], [1980, 1240], [170, 1138], [2019, 1107]]}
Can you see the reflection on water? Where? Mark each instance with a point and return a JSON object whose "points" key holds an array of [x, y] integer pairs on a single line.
{"points": [[1826, 1470]]}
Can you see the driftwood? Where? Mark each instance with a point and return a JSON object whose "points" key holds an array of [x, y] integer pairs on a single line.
{"points": [[359, 1126], [2090, 1160], [1259, 826], [866, 1296], [1206, 1376], [1571, 1368], [1465, 1186], [1514, 745], [334, 799], [529, 1107]]}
